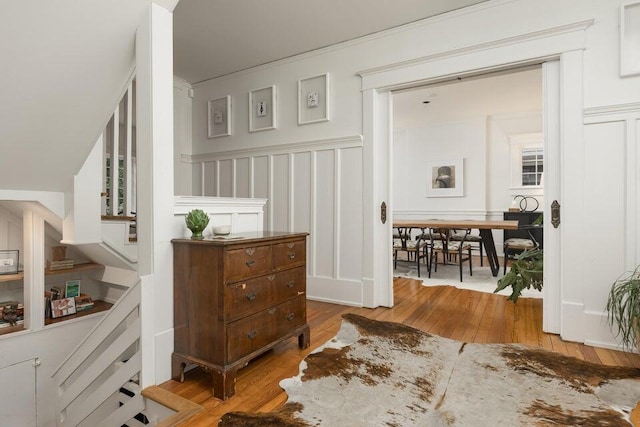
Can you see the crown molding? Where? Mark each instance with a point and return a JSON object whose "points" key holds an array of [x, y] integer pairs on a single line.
{"points": [[520, 38]]}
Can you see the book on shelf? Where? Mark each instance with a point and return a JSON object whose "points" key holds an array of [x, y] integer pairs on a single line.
{"points": [[64, 264], [84, 302]]}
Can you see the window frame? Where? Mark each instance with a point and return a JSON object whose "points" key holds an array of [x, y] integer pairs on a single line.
{"points": [[517, 144]]}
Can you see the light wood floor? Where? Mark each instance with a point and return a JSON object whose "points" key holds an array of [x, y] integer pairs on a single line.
{"points": [[442, 310]]}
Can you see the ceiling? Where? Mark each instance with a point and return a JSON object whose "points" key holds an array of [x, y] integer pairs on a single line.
{"points": [[217, 37], [518, 91]]}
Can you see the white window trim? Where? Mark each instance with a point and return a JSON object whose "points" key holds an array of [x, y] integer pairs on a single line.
{"points": [[518, 143]]}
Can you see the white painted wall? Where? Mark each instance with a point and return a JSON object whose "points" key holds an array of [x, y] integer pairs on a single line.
{"points": [[182, 130], [421, 50]]}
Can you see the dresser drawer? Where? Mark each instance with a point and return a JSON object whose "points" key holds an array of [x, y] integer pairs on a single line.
{"points": [[252, 333], [251, 296], [247, 262], [289, 254]]}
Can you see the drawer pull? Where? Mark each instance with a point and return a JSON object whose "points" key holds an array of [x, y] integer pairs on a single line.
{"points": [[251, 296], [252, 334], [271, 311], [290, 245], [250, 251], [250, 263], [290, 316], [271, 277], [290, 284], [292, 255]]}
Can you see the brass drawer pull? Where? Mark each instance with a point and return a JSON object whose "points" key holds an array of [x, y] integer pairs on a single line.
{"points": [[252, 334], [292, 255], [290, 316], [271, 277], [250, 251], [251, 296], [290, 245], [271, 311], [290, 284], [250, 263]]}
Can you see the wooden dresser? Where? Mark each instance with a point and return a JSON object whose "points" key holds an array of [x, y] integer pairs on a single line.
{"points": [[235, 299]]}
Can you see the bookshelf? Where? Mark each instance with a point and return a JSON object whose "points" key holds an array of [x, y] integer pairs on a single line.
{"points": [[99, 305]]}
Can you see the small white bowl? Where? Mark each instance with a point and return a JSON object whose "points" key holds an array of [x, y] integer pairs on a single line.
{"points": [[221, 230]]}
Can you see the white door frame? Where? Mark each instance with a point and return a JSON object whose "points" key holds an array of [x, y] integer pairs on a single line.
{"points": [[565, 44]]}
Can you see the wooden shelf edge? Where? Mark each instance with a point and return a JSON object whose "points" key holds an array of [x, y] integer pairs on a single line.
{"points": [[98, 307], [11, 329]]}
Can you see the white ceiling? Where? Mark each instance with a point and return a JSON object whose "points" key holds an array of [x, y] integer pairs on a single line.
{"points": [[217, 37], [501, 93]]}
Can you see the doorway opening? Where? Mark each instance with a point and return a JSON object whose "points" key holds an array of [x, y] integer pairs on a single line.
{"points": [[488, 129]]}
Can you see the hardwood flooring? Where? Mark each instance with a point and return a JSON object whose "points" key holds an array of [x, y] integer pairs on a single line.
{"points": [[442, 310]]}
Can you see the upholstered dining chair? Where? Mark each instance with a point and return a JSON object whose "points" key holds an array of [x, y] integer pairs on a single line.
{"points": [[416, 250], [515, 246], [458, 251], [474, 239]]}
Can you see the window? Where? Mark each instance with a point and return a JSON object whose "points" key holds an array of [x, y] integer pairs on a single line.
{"points": [[527, 160], [531, 166]]}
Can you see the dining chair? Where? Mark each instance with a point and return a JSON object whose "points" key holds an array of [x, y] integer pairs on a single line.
{"points": [[441, 243], [474, 239], [515, 246], [416, 250]]}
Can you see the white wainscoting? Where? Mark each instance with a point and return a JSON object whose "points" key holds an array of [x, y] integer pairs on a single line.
{"points": [[311, 186], [612, 135]]}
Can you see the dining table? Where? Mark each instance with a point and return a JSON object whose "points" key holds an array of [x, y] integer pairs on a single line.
{"points": [[484, 226]]}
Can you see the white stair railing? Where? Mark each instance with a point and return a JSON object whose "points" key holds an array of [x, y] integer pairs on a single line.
{"points": [[108, 358], [119, 164]]}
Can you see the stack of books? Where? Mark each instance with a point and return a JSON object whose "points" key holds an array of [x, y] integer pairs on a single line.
{"points": [[64, 264], [84, 302]]}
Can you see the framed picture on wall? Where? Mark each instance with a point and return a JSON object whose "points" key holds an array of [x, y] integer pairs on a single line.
{"points": [[9, 262], [219, 117], [445, 178], [313, 99], [262, 109]]}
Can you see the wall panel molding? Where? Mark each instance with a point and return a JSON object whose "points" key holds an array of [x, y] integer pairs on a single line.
{"points": [[295, 147], [303, 185]]}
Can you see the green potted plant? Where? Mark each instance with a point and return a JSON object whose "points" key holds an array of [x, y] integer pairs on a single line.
{"points": [[526, 272], [197, 220], [623, 308]]}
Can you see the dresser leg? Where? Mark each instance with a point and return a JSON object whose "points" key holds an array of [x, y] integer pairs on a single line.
{"points": [[224, 384], [177, 369], [304, 338]]}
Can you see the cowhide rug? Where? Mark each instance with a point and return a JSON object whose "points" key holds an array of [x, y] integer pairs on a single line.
{"points": [[387, 374]]}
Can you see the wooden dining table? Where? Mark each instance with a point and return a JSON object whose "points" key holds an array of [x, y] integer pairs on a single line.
{"points": [[484, 226]]}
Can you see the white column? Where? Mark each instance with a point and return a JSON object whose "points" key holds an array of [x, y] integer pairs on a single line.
{"points": [[34, 265], [154, 79]]}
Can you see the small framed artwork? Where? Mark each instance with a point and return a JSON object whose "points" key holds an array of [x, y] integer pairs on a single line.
{"points": [[219, 117], [9, 261], [72, 289], [262, 109], [63, 307], [313, 99], [445, 178]]}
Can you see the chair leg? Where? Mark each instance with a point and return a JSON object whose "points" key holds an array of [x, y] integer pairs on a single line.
{"points": [[481, 256], [460, 267], [395, 260], [506, 256], [470, 263], [417, 255]]}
